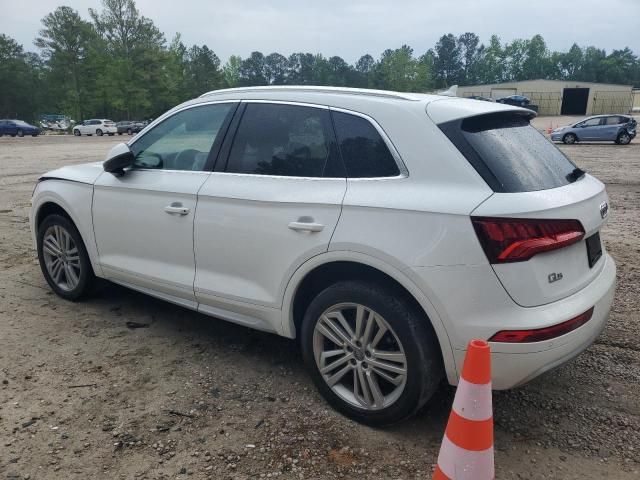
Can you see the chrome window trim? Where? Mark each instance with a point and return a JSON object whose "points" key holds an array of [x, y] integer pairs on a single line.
{"points": [[404, 172], [287, 102]]}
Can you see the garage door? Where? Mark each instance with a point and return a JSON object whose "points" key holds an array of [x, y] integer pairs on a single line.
{"points": [[497, 93]]}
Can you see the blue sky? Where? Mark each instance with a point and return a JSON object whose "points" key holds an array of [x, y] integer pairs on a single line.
{"points": [[350, 28]]}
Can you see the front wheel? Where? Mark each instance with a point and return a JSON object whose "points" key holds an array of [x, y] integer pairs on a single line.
{"points": [[130, 132], [76, 132], [63, 258], [623, 138], [371, 353], [569, 139], [99, 132]]}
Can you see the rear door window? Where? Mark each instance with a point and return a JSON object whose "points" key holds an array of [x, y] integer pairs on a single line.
{"points": [[510, 154], [364, 151], [282, 140]]}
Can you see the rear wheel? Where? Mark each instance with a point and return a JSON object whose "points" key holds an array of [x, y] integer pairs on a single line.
{"points": [[570, 139], [130, 132], [20, 133], [623, 138], [63, 258], [371, 353], [99, 132]]}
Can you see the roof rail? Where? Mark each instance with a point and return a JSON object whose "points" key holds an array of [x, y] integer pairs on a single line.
{"points": [[318, 89]]}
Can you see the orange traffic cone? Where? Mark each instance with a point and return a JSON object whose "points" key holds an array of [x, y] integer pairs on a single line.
{"points": [[467, 446]]}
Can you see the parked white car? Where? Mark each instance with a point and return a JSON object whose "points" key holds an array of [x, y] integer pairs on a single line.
{"points": [[381, 230], [96, 126]]}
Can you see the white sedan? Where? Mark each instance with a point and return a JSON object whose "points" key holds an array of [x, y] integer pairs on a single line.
{"points": [[382, 230]]}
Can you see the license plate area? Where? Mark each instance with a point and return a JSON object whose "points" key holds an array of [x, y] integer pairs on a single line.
{"points": [[594, 249]]}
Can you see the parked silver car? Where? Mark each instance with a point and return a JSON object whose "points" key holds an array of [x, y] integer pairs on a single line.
{"points": [[620, 129]]}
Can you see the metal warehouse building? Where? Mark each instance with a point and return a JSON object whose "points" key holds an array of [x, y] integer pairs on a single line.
{"points": [[559, 97]]}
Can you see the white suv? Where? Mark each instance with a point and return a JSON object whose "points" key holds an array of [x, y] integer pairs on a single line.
{"points": [[382, 230], [97, 126]]}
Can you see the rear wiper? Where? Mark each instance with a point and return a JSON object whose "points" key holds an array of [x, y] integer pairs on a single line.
{"points": [[576, 174]]}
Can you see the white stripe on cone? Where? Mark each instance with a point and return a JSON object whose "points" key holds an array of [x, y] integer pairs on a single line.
{"points": [[473, 401], [460, 464]]}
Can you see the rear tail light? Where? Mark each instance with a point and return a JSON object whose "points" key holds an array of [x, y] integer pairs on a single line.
{"points": [[541, 334], [518, 239]]}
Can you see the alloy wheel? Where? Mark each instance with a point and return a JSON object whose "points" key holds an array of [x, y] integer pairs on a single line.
{"points": [[61, 257], [359, 356]]}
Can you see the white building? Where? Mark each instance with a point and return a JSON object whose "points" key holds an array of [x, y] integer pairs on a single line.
{"points": [[559, 97]]}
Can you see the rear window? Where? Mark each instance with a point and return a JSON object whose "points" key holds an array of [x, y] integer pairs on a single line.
{"points": [[510, 154]]}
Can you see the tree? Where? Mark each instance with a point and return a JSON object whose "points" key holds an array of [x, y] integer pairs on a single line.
{"points": [[447, 61], [537, 62], [301, 69], [570, 64], [203, 72], [468, 46], [252, 70], [275, 69], [365, 69], [20, 80], [231, 71], [136, 47], [64, 42], [491, 62], [397, 69]]}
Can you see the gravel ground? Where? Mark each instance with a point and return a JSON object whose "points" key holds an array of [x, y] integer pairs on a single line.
{"points": [[83, 396]]}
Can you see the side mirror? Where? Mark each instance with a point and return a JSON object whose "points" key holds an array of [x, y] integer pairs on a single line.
{"points": [[119, 158]]}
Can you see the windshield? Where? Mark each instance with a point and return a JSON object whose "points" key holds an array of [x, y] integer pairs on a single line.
{"points": [[510, 154]]}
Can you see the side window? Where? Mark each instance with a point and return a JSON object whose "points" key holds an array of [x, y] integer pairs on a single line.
{"points": [[592, 122], [283, 140], [364, 152], [182, 141], [613, 121]]}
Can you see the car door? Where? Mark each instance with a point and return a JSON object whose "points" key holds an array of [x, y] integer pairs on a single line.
{"points": [[143, 220], [272, 203], [610, 128], [591, 129]]}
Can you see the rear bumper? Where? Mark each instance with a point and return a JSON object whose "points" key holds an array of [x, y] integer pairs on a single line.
{"points": [[473, 304], [516, 364]]}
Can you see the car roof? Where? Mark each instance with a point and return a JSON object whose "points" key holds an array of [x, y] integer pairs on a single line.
{"points": [[365, 101]]}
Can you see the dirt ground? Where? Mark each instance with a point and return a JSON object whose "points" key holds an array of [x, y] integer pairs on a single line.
{"points": [[83, 396]]}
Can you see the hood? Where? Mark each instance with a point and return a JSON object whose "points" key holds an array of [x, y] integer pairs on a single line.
{"points": [[83, 173]]}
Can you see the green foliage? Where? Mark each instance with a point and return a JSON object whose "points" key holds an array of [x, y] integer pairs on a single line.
{"points": [[119, 66]]}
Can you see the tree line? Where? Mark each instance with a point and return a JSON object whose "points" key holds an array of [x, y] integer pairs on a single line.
{"points": [[119, 65]]}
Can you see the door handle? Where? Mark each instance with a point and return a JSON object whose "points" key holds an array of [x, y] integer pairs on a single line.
{"points": [[176, 208], [306, 226]]}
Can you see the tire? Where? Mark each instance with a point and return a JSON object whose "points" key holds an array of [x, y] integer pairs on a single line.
{"points": [[409, 333], [129, 132], [99, 132], [62, 228], [76, 132], [34, 134], [111, 134], [623, 138], [522, 104], [20, 133], [570, 138], [119, 133]]}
